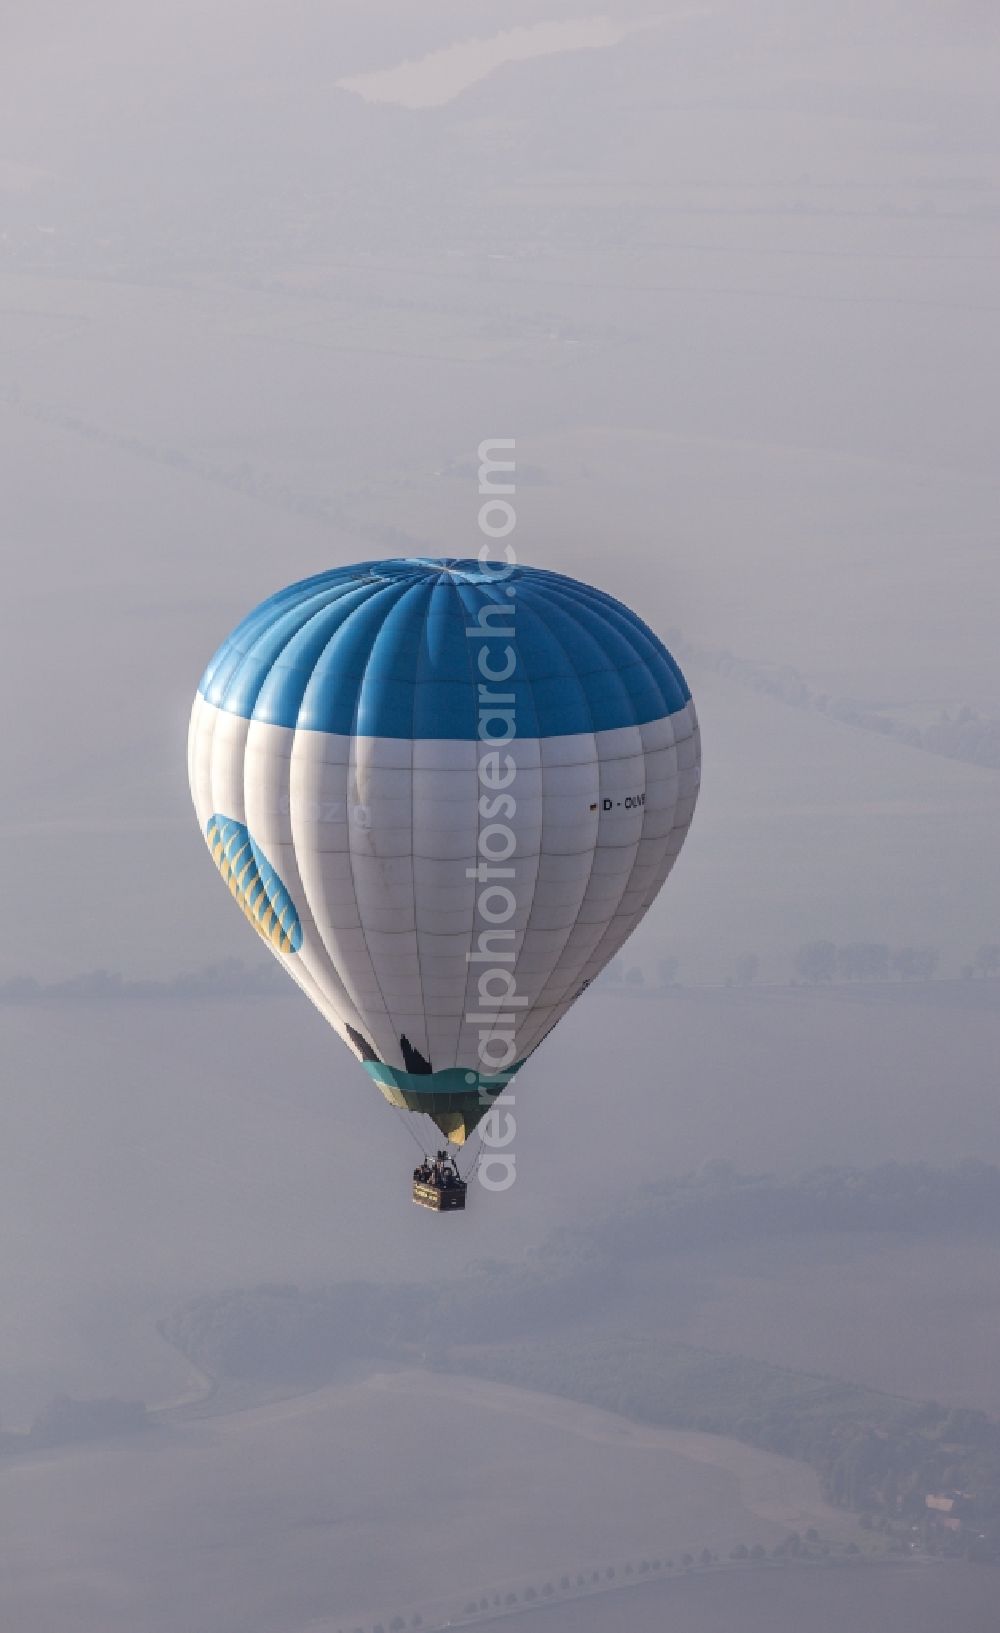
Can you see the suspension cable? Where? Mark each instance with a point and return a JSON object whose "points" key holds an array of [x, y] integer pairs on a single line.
{"points": [[473, 1171], [404, 1119]]}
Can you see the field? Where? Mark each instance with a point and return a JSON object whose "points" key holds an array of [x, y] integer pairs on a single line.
{"points": [[272, 1517]]}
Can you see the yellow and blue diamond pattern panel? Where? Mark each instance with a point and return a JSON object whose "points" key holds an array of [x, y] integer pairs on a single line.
{"points": [[254, 883]]}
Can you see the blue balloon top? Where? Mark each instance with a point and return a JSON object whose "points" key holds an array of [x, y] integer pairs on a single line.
{"points": [[401, 648]]}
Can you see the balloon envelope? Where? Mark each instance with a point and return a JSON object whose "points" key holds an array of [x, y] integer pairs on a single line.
{"points": [[444, 792]]}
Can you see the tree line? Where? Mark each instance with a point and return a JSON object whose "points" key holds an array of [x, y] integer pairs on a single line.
{"points": [[796, 1548], [957, 734], [818, 963]]}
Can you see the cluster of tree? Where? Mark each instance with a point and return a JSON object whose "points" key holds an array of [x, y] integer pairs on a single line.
{"points": [[929, 1448], [620, 974], [229, 978], [585, 1581], [823, 961], [277, 1333], [65, 1420], [796, 1545], [399, 1624], [719, 1204], [960, 735]]}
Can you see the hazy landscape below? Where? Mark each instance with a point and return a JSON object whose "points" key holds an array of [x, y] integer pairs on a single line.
{"points": [[883, 1311], [309, 1491], [155, 1149], [276, 1490], [268, 277]]}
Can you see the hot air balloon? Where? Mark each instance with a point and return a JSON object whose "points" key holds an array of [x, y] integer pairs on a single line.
{"points": [[444, 792]]}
